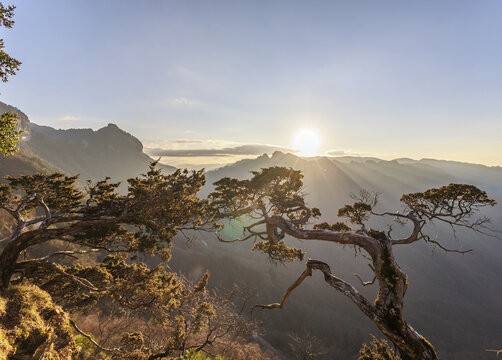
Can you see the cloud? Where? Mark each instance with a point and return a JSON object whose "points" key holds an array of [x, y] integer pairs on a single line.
{"points": [[184, 102], [189, 144], [336, 153], [247, 149], [188, 141], [69, 118]]}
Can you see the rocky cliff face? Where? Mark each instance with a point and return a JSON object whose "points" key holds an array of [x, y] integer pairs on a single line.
{"points": [[94, 155]]}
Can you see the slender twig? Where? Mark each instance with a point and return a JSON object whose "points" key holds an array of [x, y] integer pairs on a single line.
{"points": [[89, 337]]}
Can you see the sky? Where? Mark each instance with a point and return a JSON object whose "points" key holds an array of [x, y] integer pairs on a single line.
{"points": [[204, 83]]}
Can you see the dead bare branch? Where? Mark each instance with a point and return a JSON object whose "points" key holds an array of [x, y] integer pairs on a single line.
{"points": [[348, 290], [90, 338]]}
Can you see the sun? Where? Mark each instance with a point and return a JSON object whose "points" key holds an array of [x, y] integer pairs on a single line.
{"points": [[307, 142]]}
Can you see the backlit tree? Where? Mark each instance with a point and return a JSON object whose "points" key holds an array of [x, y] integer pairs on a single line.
{"points": [[9, 134], [274, 204], [71, 253]]}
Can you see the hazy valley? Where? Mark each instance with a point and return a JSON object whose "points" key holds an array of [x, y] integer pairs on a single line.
{"points": [[453, 299]]}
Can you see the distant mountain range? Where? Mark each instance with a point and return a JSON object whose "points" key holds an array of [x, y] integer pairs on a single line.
{"points": [[94, 155], [453, 300]]}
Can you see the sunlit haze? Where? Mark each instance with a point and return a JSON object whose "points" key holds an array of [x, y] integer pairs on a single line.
{"points": [[307, 142], [235, 79], [251, 179]]}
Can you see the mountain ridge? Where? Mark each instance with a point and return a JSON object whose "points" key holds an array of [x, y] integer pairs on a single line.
{"points": [[94, 154], [465, 290]]}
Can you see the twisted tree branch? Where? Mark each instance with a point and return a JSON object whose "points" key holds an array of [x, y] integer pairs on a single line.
{"points": [[348, 290]]}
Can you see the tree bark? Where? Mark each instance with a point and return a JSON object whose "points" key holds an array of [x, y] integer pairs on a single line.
{"points": [[387, 310], [393, 283]]}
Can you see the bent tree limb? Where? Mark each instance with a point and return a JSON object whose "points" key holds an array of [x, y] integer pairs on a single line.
{"points": [[387, 311], [34, 263], [348, 290], [411, 344]]}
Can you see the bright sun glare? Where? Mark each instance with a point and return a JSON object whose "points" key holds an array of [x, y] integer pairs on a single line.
{"points": [[307, 142]]}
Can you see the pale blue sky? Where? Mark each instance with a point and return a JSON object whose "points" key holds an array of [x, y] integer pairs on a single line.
{"points": [[385, 78]]}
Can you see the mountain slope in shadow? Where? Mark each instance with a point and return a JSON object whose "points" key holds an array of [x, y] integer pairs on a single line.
{"points": [[94, 155]]}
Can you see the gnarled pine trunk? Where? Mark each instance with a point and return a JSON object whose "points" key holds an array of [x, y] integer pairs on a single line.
{"points": [[393, 284], [8, 258]]}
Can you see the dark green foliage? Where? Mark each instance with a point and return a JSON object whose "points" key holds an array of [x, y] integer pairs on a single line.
{"points": [[357, 213], [157, 205], [453, 204], [8, 65], [277, 188], [337, 226], [280, 186], [456, 201], [9, 134], [83, 226], [164, 204], [133, 285], [6, 14], [57, 191], [274, 191], [279, 251]]}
